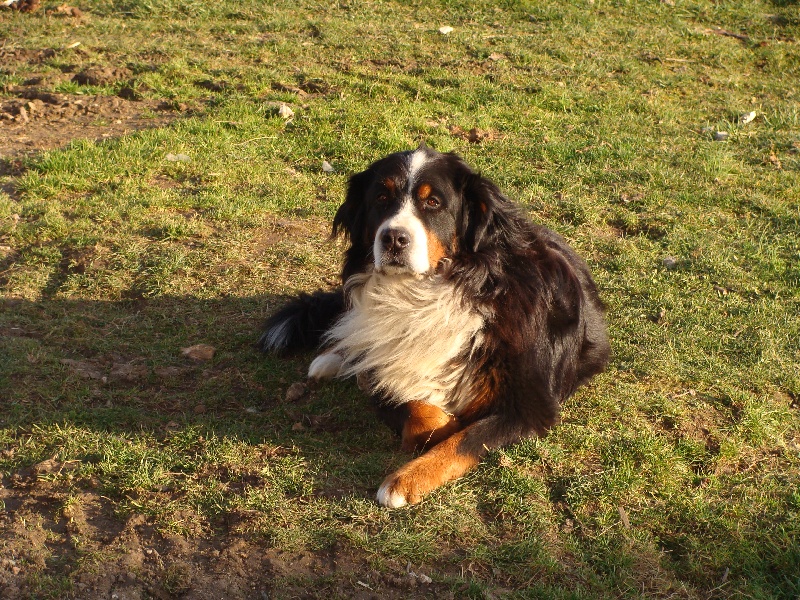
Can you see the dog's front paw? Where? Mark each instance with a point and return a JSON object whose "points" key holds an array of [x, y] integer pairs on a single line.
{"points": [[444, 462], [325, 366], [398, 490]]}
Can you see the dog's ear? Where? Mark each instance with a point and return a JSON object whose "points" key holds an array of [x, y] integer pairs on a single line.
{"points": [[351, 221], [351, 216], [485, 216]]}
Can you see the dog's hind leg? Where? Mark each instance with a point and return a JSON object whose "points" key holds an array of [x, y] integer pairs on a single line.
{"points": [[300, 324]]}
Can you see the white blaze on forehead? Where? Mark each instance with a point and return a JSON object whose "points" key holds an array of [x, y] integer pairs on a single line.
{"points": [[415, 163], [416, 253]]}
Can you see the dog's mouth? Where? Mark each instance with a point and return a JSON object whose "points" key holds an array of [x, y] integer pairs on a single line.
{"points": [[393, 263], [396, 267]]}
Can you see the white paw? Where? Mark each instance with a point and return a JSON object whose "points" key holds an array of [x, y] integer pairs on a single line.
{"points": [[325, 366], [390, 498]]}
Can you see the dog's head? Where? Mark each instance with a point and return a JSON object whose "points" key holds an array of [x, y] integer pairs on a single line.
{"points": [[411, 210]]}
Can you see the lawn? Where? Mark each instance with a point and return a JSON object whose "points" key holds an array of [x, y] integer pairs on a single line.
{"points": [[175, 203]]}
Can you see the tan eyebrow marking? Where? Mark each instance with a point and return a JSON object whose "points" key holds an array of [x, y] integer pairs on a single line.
{"points": [[423, 191], [389, 184]]}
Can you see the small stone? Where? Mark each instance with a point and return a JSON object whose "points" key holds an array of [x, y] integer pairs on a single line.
{"points": [[296, 391], [721, 136], [445, 29], [669, 262], [327, 167], [747, 117], [35, 106], [285, 112], [199, 352], [178, 158]]}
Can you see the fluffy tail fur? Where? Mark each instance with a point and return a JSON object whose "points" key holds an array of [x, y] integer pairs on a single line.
{"points": [[300, 324]]}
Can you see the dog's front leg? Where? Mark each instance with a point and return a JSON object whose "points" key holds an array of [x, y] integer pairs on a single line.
{"points": [[325, 366], [444, 462], [426, 426], [448, 460]]}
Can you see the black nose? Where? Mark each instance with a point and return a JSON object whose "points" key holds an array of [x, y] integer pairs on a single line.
{"points": [[395, 239]]}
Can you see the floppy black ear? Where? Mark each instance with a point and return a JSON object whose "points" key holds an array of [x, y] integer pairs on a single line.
{"points": [[485, 213], [351, 221]]}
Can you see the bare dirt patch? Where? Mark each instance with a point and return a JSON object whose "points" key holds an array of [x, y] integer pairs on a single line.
{"points": [[37, 119], [36, 116], [63, 541]]}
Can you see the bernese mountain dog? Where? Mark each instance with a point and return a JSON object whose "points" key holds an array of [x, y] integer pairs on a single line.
{"points": [[467, 324]]}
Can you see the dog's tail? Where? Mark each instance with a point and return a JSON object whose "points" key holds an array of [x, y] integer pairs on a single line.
{"points": [[300, 324]]}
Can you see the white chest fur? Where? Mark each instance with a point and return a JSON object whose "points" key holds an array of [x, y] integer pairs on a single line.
{"points": [[411, 336]]}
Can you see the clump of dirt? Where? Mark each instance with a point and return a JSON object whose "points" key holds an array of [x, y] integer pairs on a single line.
{"points": [[102, 75], [26, 6], [474, 135]]}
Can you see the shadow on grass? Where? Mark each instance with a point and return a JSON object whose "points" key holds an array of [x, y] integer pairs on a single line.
{"points": [[120, 365], [114, 437]]}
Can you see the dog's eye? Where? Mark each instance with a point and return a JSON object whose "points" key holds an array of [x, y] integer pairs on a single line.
{"points": [[382, 198], [432, 202]]}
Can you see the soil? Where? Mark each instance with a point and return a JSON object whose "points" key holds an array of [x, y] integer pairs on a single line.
{"points": [[34, 117], [67, 543]]}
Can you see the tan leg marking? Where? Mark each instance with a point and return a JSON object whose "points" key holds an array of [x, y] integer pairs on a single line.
{"points": [[427, 425], [444, 462]]}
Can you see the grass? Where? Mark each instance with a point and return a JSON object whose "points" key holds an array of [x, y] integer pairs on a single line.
{"points": [[674, 474]]}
